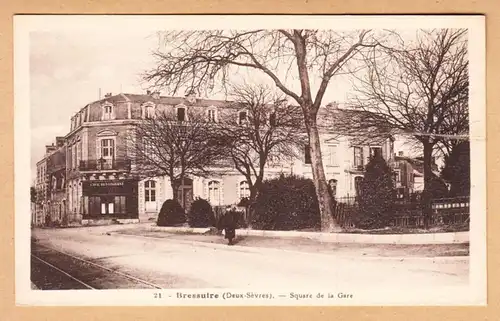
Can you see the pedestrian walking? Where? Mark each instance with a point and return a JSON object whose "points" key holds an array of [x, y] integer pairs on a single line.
{"points": [[230, 220]]}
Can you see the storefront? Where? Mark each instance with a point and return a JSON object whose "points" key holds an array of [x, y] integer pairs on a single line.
{"points": [[110, 199]]}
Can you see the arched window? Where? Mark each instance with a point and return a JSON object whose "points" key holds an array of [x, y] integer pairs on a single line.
{"points": [[244, 189], [150, 191], [214, 193]]}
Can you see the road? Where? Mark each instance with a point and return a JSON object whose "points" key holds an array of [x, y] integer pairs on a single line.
{"points": [[174, 263]]}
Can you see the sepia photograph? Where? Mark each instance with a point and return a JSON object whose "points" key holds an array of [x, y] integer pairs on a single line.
{"points": [[250, 160]]}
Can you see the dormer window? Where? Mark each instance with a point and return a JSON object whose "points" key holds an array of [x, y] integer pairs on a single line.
{"points": [[212, 115], [107, 112], [242, 117]]}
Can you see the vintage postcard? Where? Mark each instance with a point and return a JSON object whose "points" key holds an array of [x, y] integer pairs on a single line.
{"points": [[250, 160]]}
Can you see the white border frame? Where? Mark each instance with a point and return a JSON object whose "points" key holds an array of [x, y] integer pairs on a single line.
{"points": [[474, 294]]}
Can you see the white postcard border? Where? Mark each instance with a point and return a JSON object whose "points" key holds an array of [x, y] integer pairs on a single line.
{"points": [[474, 294]]}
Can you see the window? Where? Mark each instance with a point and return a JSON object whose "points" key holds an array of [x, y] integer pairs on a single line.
{"points": [[181, 114], [69, 160], [107, 112], [214, 193], [149, 111], [272, 120], [150, 191], [332, 155], [212, 115], [107, 148], [148, 149], [397, 176], [120, 205], [375, 151], [307, 154], [244, 190], [357, 184], [332, 185], [75, 155], [79, 154], [358, 157], [242, 117], [107, 205]]}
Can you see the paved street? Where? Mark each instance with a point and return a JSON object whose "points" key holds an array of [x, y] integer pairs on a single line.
{"points": [[177, 263]]}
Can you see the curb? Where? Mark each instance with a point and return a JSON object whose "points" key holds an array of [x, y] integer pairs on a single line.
{"points": [[260, 250], [422, 238]]}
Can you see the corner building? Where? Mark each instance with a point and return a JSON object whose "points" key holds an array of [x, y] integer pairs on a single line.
{"points": [[101, 181]]}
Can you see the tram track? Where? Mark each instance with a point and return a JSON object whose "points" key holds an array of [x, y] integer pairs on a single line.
{"points": [[54, 269]]}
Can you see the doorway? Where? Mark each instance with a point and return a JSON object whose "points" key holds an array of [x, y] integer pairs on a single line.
{"points": [[185, 194], [107, 205]]}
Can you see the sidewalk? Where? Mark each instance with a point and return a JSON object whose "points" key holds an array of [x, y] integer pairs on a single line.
{"points": [[410, 239], [303, 244]]}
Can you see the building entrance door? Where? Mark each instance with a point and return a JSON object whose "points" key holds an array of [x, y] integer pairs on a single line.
{"points": [[185, 194], [107, 205]]}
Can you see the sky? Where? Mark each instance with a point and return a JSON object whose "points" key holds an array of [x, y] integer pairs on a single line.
{"points": [[67, 70]]}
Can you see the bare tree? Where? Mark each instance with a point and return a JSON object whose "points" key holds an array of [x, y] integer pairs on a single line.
{"points": [[419, 89], [163, 146], [301, 63], [267, 131]]}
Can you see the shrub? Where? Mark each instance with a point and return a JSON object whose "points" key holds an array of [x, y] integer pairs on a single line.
{"points": [[201, 214], [286, 203], [456, 170], [438, 188], [171, 214], [376, 195], [244, 202]]}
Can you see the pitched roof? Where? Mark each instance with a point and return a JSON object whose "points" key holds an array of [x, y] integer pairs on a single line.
{"points": [[141, 98]]}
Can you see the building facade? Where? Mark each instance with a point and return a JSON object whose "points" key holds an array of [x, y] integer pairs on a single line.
{"points": [[41, 187], [101, 182], [409, 174]]}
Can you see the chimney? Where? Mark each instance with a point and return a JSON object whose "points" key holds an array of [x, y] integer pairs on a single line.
{"points": [[148, 92], [108, 95], [59, 141], [401, 153], [191, 97]]}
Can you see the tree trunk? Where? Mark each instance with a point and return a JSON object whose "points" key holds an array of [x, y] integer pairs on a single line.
{"points": [[251, 204], [175, 190], [328, 223], [427, 193]]}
